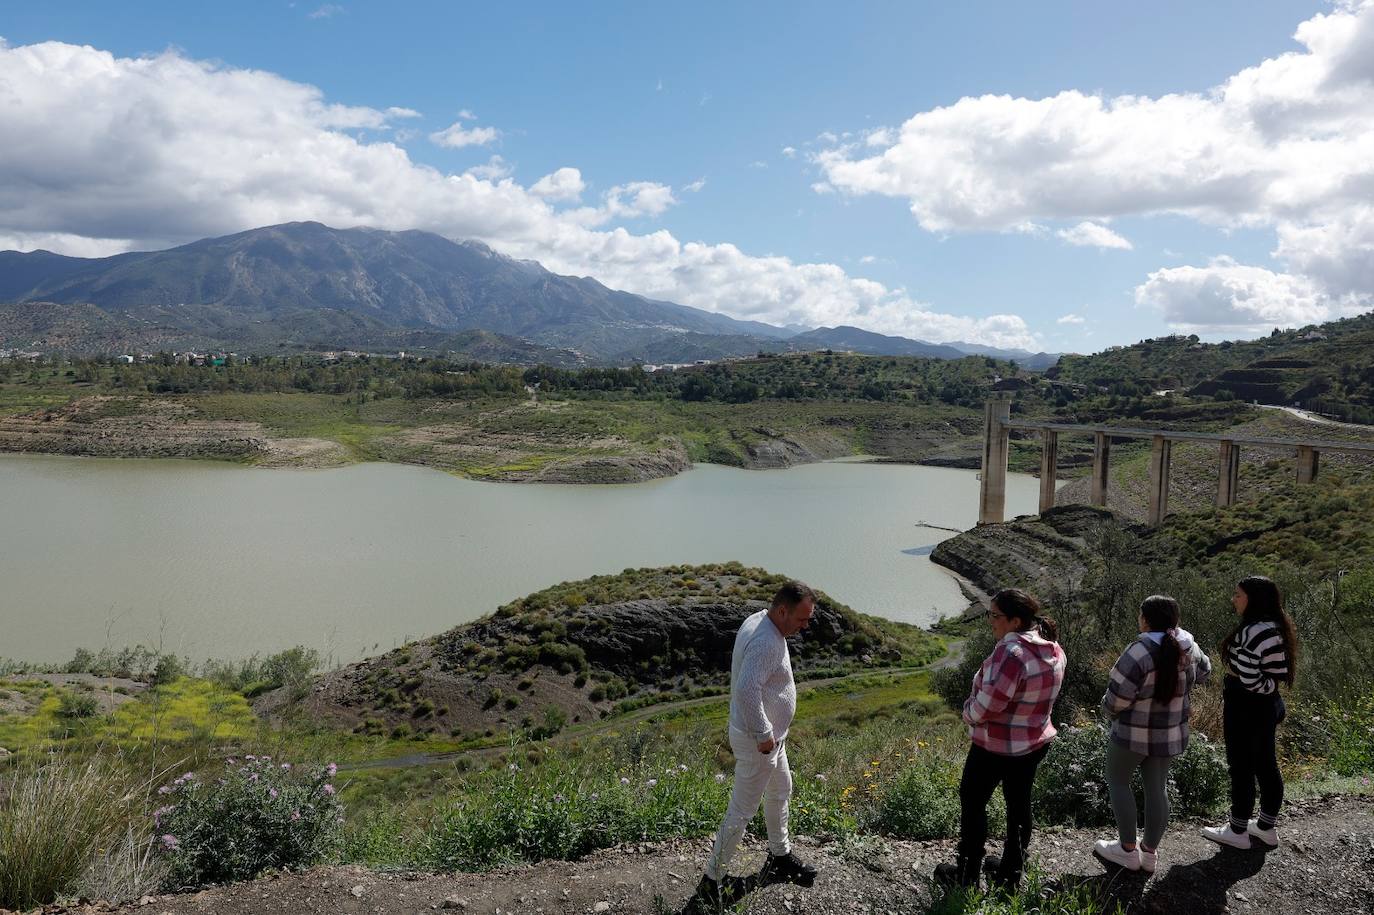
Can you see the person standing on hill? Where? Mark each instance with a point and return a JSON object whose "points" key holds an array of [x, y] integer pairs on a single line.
{"points": [[1008, 716], [1262, 652], [763, 699], [1147, 700]]}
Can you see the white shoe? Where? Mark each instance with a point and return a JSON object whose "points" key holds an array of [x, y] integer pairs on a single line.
{"points": [[1149, 860], [1114, 853], [1225, 835], [1269, 837]]}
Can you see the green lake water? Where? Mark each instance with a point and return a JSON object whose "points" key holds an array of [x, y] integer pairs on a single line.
{"points": [[220, 560]]}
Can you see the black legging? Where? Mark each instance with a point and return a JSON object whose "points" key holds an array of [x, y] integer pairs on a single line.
{"points": [[983, 771], [1249, 721]]}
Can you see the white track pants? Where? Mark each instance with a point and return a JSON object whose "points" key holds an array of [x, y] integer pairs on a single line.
{"points": [[758, 776]]}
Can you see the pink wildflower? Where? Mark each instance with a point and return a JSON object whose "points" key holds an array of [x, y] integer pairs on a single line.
{"points": [[328, 789], [170, 841], [272, 792], [332, 769]]}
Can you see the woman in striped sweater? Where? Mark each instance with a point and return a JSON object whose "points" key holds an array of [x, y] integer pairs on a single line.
{"points": [[1261, 653]]}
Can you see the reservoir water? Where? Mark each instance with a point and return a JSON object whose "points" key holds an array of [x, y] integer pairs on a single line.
{"points": [[219, 560]]}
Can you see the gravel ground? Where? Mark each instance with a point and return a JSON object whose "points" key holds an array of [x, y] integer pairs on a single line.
{"points": [[1325, 865]]}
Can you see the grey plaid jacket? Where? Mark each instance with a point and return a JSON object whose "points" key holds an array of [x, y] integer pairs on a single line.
{"points": [[1139, 723]]}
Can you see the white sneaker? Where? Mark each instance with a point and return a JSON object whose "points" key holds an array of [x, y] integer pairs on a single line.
{"points": [[1225, 835], [1149, 860], [1269, 836], [1114, 853]]}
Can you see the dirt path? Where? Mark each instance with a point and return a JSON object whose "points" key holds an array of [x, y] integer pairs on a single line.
{"points": [[1324, 867]]}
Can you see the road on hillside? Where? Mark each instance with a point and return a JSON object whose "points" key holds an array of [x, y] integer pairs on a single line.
{"points": [[1315, 418]]}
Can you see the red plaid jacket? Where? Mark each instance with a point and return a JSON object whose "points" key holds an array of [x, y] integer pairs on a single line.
{"points": [[1008, 711]]}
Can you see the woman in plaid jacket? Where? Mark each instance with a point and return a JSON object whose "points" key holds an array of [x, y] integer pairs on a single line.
{"points": [[1147, 700], [1008, 716]]}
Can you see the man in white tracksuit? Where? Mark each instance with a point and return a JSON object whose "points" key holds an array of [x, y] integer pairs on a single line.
{"points": [[763, 699]]}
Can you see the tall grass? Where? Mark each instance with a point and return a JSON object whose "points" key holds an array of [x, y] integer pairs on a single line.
{"points": [[56, 815]]}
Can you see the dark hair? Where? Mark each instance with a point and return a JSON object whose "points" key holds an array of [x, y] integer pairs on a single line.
{"points": [[793, 594], [1264, 603], [1161, 615], [1015, 604]]}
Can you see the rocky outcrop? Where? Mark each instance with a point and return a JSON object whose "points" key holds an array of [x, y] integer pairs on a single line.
{"points": [[1040, 553], [634, 468], [779, 449]]}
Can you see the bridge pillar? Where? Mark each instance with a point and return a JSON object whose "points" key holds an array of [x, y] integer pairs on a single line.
{"points": [[1102, 452], [1307, 463], [992, 494], [1049, 461], [1228, 480], [1159, 481]]}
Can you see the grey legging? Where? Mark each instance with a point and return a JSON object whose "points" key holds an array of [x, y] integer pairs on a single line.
{"points": [[1121, 762]]}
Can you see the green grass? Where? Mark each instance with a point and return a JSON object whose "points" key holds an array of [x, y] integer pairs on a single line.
{"points": [[187, 711], [24, 398]]}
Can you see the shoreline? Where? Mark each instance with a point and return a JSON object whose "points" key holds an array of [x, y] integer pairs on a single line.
{"points": [[492, 441]]}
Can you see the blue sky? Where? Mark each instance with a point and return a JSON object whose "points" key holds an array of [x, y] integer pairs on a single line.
{"points": [[673, 94]]}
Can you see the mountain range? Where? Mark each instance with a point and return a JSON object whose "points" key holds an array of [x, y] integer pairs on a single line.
{"points": [[307, 286]]}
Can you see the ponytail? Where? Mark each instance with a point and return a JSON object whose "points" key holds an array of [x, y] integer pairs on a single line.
{"points": [[1017, 605], [1161, 614]]}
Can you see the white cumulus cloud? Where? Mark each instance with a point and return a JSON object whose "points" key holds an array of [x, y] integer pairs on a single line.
{"points": [[493, 169], [1287, 144], [1093, 235], [104, 153], [456, 136], [565, 184], [1071, 319], [1227, 297]]}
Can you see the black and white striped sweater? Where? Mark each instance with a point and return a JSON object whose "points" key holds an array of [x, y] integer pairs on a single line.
{"points": [[1258, 657]]}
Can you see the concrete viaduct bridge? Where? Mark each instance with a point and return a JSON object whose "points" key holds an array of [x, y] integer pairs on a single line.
{"points": [[997, 428]]}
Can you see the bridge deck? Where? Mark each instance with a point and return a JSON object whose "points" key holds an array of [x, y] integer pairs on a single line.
{"points": [[1117, 432]]}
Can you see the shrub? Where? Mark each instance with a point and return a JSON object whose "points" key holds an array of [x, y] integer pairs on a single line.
{"points": [[1071, 786], [169, 668], [1198, 779], [256, 816], [54, 819], [77, 706], [920, 802], [554, 721], [558, 812], [1351, 730]]}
